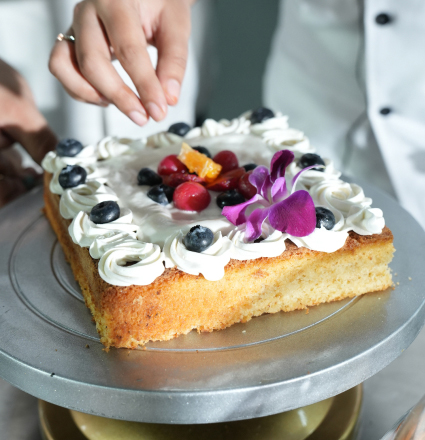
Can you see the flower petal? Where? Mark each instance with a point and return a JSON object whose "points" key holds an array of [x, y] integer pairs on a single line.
{"points": [[236, 214], [295, 215], [279, 162], [295, 178], [260, 178], [255, 222], [279, 190]]}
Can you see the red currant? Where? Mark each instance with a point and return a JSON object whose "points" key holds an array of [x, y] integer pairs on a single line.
{"points": [[227, 180], [175, 179], [170, 164], [245, 187], [227, 159], [191, 196]]}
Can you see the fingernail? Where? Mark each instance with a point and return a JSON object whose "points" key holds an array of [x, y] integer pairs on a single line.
{"points": [[155, 111], [173, 90], [138, 118]]}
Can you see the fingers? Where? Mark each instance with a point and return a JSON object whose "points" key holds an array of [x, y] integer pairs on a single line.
{"points": [[94, 60], [63, 65], [102, 27], [126, 35], [172, 43]]}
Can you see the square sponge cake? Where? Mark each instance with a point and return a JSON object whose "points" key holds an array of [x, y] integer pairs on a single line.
{"points": [[279, 229]]}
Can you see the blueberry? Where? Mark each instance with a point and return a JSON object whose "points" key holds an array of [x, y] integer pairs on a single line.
{"points": [[147, 176], [68, 147], [324, 218], [179, 128], [250, 166], [71, 176], [198, 239], [203, 150], [260, 115], [306, 160], [229, 198], [105, 212], [162, 194]]}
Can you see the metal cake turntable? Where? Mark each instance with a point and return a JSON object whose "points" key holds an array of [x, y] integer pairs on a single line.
{"points": [[49, 346]]}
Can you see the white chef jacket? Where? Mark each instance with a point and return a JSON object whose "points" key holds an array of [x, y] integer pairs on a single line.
{"points": [[338, 67], [28, 29]]}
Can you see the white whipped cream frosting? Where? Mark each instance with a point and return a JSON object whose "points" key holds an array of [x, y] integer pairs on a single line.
{"points": [[145, 227], [52, 162], [210, 263], [145, 259], [311, 177], [84, 197], [83, 231], [112, 146], [103, 243], [93, 173], [271, 246]]}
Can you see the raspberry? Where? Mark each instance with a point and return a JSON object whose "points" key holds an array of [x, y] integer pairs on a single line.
{"points": [[177, 179], [191, 196], [245, 187], [227, 180], [170, 164], [227, 159]]}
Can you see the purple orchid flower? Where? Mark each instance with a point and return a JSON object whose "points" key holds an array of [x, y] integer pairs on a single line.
{"points": [[292, 213]]}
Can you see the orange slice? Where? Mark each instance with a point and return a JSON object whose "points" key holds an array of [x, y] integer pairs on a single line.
{"points": [[198, 163]]}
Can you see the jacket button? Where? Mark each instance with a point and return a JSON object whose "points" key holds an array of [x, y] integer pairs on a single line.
{"points": [[385, 111], [383, 19]]}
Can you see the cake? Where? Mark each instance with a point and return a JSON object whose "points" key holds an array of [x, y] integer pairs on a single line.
{"points": [[164, 239]]}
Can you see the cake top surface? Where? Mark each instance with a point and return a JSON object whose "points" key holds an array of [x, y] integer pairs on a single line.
{"points": [[147, 236]]}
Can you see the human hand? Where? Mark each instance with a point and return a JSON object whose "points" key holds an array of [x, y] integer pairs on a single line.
{"points": [[20, 121], [104, 29]]}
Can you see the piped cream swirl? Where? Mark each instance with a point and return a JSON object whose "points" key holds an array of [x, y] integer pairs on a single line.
{"points": [[212, 128], [131, 262], [272, 246], [322, 240], [84, 197], [52, 162], [312, 177], [163, 139], [110, 240], [210, 263], [93, 173], [112, 146], [365, 220], [83, 231]]}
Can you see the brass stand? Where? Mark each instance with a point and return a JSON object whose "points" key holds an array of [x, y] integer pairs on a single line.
{"points": [[331, 419]]}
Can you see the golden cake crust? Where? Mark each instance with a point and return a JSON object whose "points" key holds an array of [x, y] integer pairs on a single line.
{"points": [[177, 302]]}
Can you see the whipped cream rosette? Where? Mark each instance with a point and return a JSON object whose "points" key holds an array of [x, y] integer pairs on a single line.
{"points": [[83, 231], [210, 263], [131, 262], [84, 197], [93, 173], [52, 162], [271, 246], [113, 146], [212, 128], [365, 220], [109, 240], [312, 177]]}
